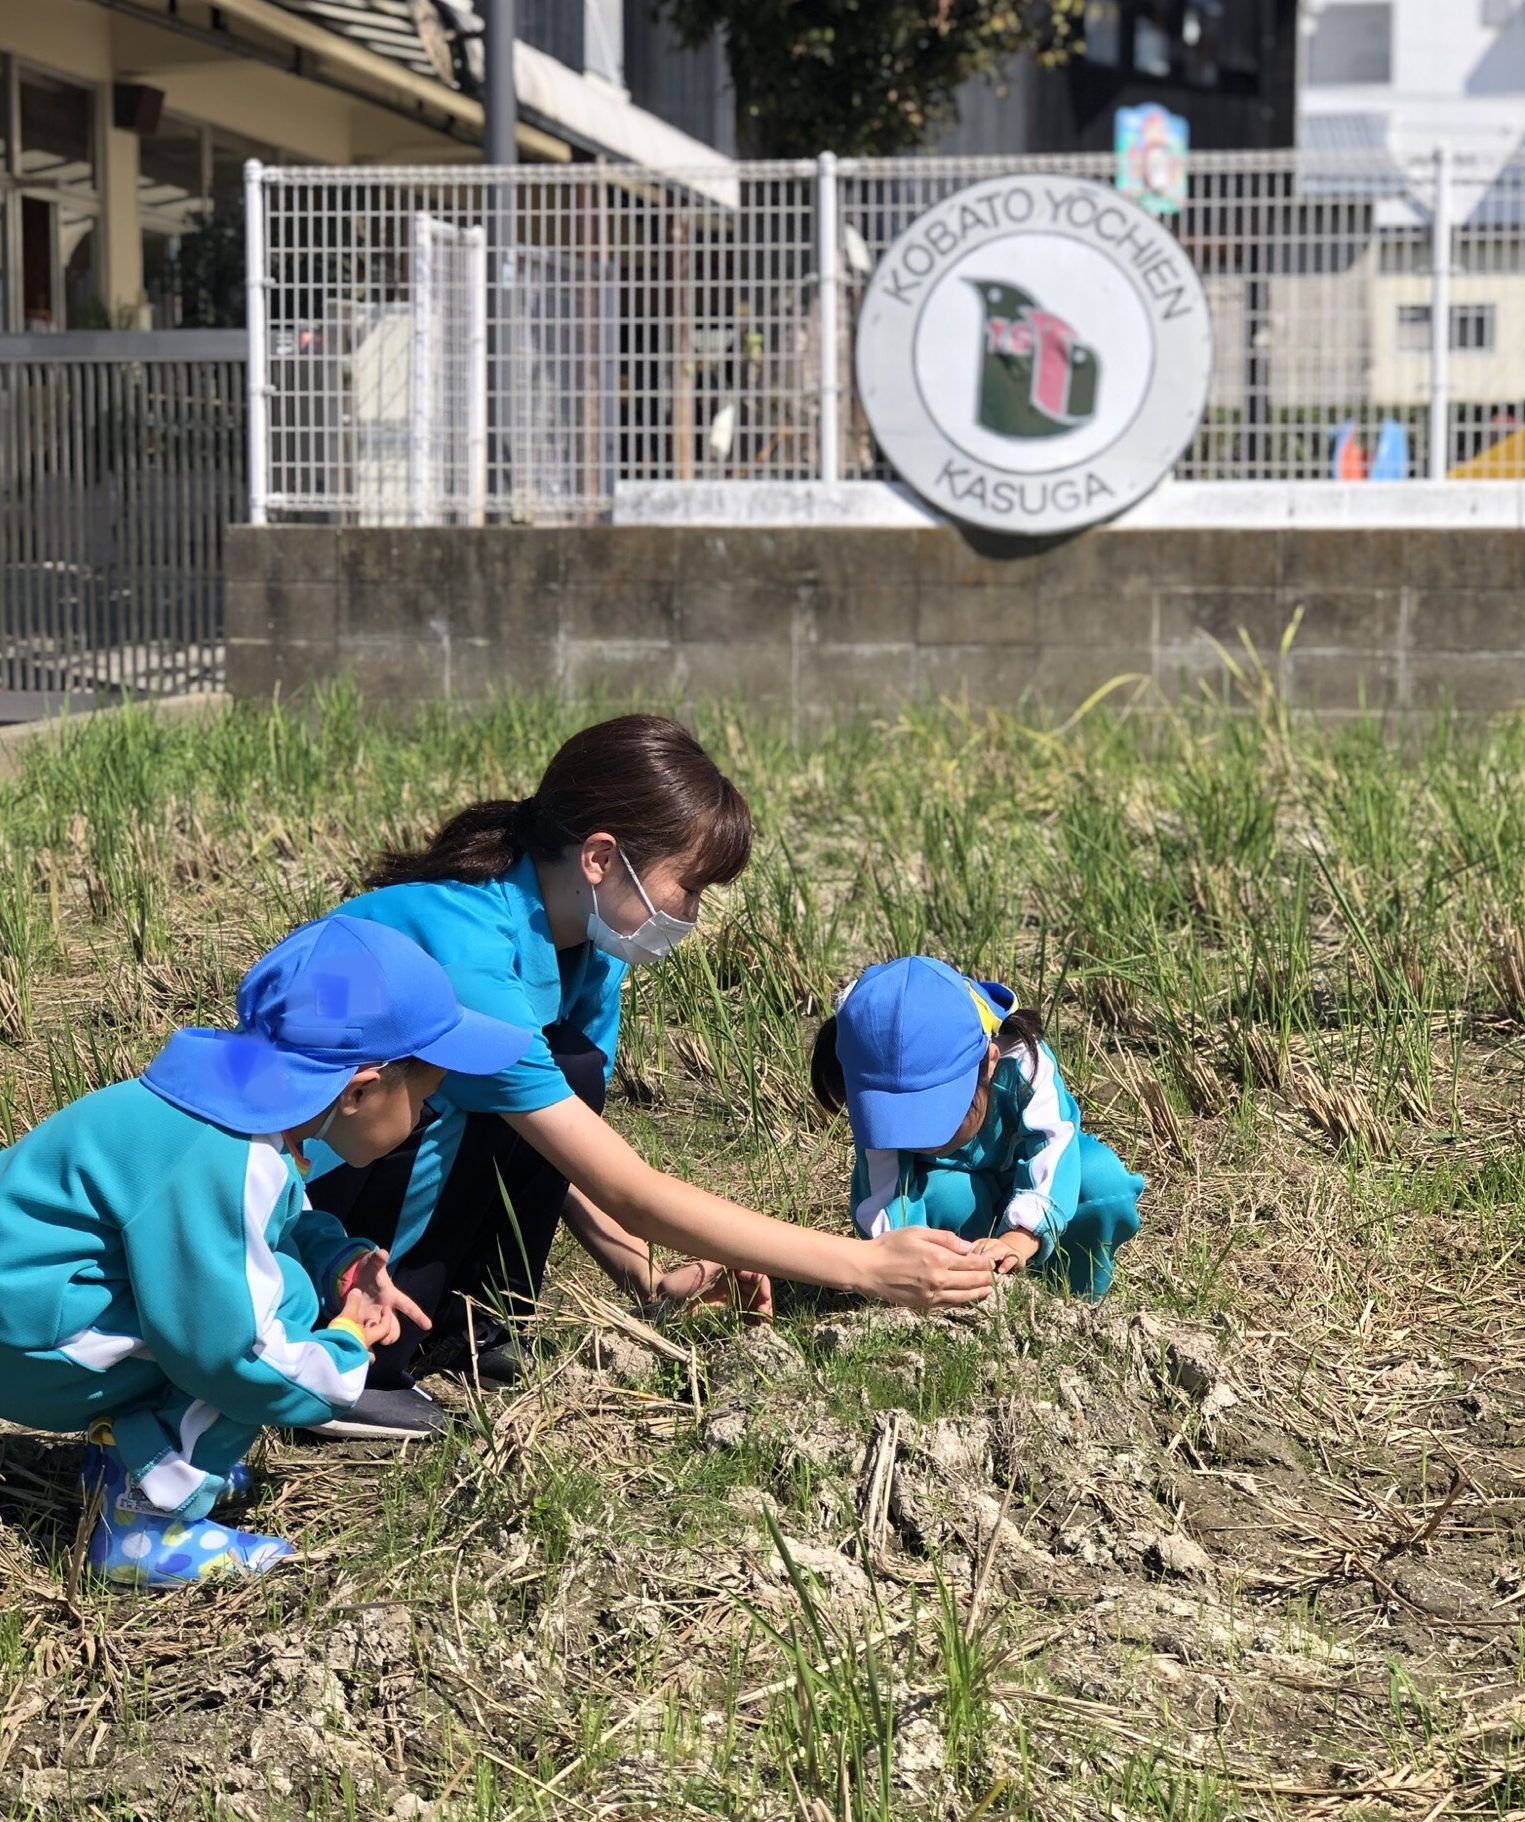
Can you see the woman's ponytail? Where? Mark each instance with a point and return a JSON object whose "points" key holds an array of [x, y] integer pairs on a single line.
{"points": [[643, 779], [479, 843]]}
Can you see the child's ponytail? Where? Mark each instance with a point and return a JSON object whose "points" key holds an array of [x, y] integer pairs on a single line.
{"points": [[1024, 1026], [827, 1082]]}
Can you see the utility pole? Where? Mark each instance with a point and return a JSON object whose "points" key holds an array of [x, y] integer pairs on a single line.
{"points": [[499, 148], [498, 97], [1263, 222]]}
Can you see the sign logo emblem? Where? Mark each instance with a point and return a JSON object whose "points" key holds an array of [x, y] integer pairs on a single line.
{"points": [[1033, 354], [1037, 378]]}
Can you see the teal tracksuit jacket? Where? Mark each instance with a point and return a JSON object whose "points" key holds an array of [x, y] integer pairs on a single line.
{"points": [[494, 942], [168, 1275], [1029, 1167]]}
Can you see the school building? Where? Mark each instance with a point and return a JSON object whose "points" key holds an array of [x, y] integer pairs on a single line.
{"points": [[125, 126]]}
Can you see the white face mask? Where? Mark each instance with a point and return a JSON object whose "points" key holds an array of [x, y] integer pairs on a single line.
{"points": [[650, 942]]}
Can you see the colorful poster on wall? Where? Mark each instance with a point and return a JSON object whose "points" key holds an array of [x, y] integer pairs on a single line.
{"points": [[1151, 144]]}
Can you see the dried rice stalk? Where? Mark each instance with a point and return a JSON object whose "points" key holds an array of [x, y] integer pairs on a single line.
{"points": [[1506, 965], [1345, 1115], [1200, 1082], [1153, 1103], [1255, 1054], [15, 1018]]}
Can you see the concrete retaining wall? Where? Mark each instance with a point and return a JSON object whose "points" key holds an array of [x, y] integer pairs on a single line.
{"points": [[815, 620]]}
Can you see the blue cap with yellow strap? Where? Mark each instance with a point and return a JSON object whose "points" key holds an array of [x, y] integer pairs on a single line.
{"points": [[912, 1035]]}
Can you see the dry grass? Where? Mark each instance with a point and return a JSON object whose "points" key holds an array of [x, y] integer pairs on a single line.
{"points": [[1245, 1542]]}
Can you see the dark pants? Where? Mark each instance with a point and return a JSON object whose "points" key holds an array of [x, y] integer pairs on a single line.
{"points": [[474, 1246]]}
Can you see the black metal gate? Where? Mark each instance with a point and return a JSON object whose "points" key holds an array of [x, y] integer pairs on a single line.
{"points": [[122, 462]]}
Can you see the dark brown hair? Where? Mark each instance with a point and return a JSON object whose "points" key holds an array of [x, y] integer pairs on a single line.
{"points": [[643, 778], [829, 1085]]}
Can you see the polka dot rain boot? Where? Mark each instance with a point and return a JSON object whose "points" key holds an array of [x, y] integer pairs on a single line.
{"points": [[135, 1545], [240, 1483]]}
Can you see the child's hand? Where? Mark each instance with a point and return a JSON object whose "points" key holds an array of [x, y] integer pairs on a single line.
{"points": [[1010, 1251], [377, 1325], [376, 1303], [702, 1281]]}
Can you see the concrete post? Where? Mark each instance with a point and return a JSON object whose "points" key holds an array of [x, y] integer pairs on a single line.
{"points": [[1440, 319], [257, 312], [826, 271]]}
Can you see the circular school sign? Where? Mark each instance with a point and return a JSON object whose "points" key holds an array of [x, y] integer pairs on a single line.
{"points": [[1034, 354]]}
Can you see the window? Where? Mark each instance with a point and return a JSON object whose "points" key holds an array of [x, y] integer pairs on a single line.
{"points": [[1351, 46], [191, 204], [1404, 251], [1102, 32], [556, 26], [49, 202], [1201, 30], [1151, 49], [1238, 48], [1474, 328], [1413, 328], [228, 154], [604, 38], [56, 143], [171, 178]]}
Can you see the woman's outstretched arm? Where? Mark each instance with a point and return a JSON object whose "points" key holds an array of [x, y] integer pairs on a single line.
{"points": [[919, 1266], [627, 1260]]}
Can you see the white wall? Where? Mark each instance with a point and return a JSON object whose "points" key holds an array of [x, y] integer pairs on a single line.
{"points": [[1456, 76], [1475, 377]]}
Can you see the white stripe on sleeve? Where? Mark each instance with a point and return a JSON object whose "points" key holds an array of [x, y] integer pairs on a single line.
{"points": [[306, 1363], [1028, 1208], [95, 1349], [871, 1216], [1027, 1211], [1042, 1114]]}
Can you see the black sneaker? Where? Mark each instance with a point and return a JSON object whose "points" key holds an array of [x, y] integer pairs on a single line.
{"points": [[395, 1413], [498, 1364]]}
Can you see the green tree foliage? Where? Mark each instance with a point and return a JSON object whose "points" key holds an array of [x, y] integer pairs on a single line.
{"points": [[866, 78], [212, 267]]}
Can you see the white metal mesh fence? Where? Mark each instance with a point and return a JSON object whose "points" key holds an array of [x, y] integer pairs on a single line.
{"points": [[634, 324]]}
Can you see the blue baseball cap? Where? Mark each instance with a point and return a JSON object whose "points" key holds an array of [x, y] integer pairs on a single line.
{"points": [[338, 995], [911, 1037]]}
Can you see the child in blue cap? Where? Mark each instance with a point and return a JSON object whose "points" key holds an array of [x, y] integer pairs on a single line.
{"points": [[962, 1122], [163, 1278]]}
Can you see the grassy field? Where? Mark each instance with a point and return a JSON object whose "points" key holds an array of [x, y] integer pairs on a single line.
{"points": [[1244, 1541]]}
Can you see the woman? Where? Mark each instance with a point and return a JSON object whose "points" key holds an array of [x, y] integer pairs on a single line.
{"points": [[535, 909]]}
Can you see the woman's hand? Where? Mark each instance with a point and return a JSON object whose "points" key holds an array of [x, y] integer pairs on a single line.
{"points": [[925, 1268], [376, 1303], [1008, 1252], [701, 1281]]}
